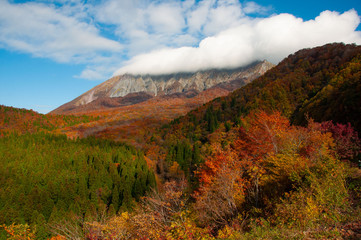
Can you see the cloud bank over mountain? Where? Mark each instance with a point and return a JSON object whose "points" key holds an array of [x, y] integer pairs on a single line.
{"points": [[143, 36], [272, 38]]}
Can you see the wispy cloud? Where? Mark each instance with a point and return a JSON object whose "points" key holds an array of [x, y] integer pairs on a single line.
{"points": [[97, 72], [46, 31], [252, 7], [151, 25]]}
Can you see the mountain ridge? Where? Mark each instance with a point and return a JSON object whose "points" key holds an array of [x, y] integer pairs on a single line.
{"points": [[298, 87], [129, 89]]}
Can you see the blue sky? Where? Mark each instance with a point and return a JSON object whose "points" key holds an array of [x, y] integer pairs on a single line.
{"points": [[53, 51]]}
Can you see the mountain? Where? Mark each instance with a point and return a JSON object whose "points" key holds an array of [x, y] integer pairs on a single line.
{"points": [[321, 83], [229, 168], [128, 89], [260, 132]]}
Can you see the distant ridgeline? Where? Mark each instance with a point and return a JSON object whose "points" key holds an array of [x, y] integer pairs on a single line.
{"points": [[28, 121], [45, 179], [125, 90]]}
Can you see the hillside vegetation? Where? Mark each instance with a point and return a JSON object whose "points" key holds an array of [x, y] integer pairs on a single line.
{"points": [[275, 159], [16, 120], [274, 180], [46, 179], [321, 83]]}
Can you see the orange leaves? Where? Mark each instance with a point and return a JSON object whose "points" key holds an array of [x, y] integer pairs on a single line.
{"points": [[222, 191], [260, 135], [219, 158], [268, 160], [231, 175], [273, 124], [27, 121], [57, 238], [19, 232]]}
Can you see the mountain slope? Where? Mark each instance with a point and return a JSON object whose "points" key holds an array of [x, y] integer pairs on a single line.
{"points": [[339, 100], [290, 87], [128, 89], [245, 130]]}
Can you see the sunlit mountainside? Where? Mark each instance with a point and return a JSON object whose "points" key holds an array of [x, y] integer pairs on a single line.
{"points": [[130, 107], [128, 89]]}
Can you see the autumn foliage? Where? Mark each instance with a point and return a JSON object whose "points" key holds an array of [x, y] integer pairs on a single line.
{"points": [[272, 175], [161, 215], [271, 170], [347, 143], [272, 160], [19, 232]]}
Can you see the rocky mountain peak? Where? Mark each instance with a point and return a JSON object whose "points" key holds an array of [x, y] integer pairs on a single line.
{"points": [[129, 89]]}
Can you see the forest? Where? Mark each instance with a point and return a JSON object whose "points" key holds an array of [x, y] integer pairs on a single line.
{"points": [[28, 121], [47, 178], [275, 159]]}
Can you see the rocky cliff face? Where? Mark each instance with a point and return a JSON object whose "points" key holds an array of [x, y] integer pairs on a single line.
{"points": [[128, 89], [183, 82]]}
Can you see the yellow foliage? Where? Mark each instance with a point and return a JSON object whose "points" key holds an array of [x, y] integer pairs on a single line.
{"points": [[185, 228]]}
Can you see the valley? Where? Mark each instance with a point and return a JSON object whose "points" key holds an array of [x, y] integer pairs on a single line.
{"points": [[180, 120], [262, 152]]}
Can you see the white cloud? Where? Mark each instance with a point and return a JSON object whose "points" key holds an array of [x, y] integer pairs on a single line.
{"points": [[98, 71], [270, 38], [197, 17], [126, 15], [162, 36], [166, 18], [145, 25], [252, 7], [45, 31], [150, 25], [91, 74], [223, 15]]}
